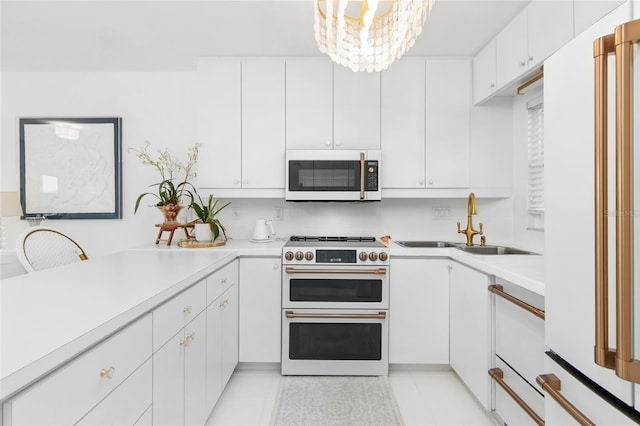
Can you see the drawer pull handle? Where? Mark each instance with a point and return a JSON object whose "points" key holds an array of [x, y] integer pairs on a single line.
{"points": [[183, 342], [551, 384], [187, 309], [498, 375], [107, 372], [499, 291], [224, 303], [191, 336]]}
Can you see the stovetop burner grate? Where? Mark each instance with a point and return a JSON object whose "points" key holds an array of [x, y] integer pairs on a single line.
{"points": [[331, 239]]}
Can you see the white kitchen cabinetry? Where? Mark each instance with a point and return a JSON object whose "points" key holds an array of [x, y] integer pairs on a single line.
{"points": [[469, 347], [403, 124], [309, 104], [219, 123], [260, 292], [73, 390], [448, 104], [419, 316], [356, 109], [222, 329], [263, 130], [511, 50], [241, 123], [588, 12], [179, 380], [484, 73]]}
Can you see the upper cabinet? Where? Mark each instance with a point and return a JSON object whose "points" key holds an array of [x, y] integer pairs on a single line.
{"points": [[484, 73], [549, 27], [403, 124], [263, 118], [309, 100], [588, 12], [511, 50], [241, 116], [356, 109]]}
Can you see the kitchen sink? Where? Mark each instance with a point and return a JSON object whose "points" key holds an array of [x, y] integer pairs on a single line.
{"points": [[492, 250], [425, 244]]}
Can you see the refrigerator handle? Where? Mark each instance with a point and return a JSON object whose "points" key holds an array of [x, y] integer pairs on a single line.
{"points": [[602, 48], [626, 366]]}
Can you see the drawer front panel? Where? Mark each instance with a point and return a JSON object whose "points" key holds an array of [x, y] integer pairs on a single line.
{"points": [[221, 280], [71, 391], [520, 339], [177, 312], [507, 408], [126, 404]]}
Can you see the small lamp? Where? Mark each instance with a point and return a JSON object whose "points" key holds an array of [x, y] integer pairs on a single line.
{"points": [[9, 207]]}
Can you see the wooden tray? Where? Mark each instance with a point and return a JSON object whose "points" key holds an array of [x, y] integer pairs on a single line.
{"points": [[196, 244]]}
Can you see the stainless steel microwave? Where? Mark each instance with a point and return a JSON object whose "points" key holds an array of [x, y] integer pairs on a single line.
{"points": [[340, 175]]}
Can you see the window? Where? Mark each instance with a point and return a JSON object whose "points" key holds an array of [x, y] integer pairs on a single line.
{"points": [[535, 164]]}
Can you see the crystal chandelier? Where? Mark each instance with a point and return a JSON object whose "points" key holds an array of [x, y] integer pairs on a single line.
{"points": [[368, 35]]}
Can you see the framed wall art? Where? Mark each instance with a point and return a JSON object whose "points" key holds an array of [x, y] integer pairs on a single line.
{"points": [[71, 168]]}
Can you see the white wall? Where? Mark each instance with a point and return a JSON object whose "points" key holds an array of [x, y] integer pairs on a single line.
{"points": [[160, 107]]}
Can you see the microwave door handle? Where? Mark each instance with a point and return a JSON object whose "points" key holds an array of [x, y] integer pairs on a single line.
{"points": [[362, 175], [603, 355]]}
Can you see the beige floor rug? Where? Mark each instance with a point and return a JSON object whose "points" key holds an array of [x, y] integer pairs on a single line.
{"points": [[335, 400]]}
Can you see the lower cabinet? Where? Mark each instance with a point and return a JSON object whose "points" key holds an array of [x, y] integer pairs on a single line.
{"points": [[179, 371], [419, 317], [469, 344], [222, 343], [261, 293]]}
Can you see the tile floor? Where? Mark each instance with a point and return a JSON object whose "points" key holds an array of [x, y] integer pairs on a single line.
{"points": [[425, 397]]}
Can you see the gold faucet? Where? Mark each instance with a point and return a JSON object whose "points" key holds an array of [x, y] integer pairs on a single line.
{"points": [[469, 231]]}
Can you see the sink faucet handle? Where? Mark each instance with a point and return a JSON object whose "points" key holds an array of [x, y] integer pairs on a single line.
{"points": [[480, 228], [483, 241], [459, 231]]}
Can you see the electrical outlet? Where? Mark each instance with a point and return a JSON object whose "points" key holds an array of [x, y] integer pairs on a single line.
{"points": [[279, 215], [440, 213], [235, 212]]}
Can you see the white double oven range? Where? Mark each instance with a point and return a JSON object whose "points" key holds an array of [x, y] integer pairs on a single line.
{"points": [[335, 306]]}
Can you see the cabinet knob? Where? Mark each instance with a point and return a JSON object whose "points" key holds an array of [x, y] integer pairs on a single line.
{"points": [[530, 58], [276, 266], [449, 267], [338, 143], [223, 281], [183, 343], [522, 63], [187, 309], [236, 181], [107, 372], [420, 181], [492, 85], [191, 336], [224, 303], [430, 181], [245, 181], [327, 143]]}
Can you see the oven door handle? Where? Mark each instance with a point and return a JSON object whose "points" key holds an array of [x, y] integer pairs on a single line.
{"points": [[362, 175], [379, 315], [377, 271]]}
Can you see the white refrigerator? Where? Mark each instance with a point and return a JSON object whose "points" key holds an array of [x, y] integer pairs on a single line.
{"points": [[592, 199]]}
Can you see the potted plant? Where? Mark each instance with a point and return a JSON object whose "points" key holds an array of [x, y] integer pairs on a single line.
{"points": [[169, 192], [207, 226]]}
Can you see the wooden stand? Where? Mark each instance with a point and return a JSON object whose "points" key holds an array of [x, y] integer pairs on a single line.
{"points": [[171, 228]]}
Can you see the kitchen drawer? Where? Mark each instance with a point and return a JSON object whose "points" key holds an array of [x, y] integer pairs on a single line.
{"points": [[221, 280], [127, 403], [177, 312], [519, 337], [507, 408], [74, 389]]}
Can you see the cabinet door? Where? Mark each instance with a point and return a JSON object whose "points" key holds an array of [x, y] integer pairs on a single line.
{"points": [[309, 104], [214, 352], [219, 123], [263, 130], [549, 27], [448, 103], [403, 118], [419, 316], [229, 333], [195, 366], [469, 328], [484, 73], [588, 12], [260, 293], [356, 109], [168, 382], [511, 50]]}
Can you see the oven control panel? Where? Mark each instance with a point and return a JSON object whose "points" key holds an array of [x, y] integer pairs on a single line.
{"points": [[363, 256]]}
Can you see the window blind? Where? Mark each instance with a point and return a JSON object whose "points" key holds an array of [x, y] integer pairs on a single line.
{"points": [[535, 157]]}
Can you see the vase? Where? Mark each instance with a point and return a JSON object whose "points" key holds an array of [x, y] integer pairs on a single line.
{"points": [[203, 232], [170, 212]]}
